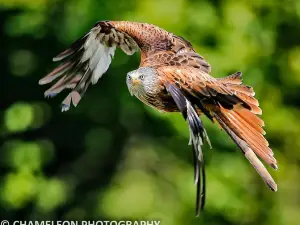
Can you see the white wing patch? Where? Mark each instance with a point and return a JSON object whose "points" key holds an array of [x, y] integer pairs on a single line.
{"points": [[86, 61], [103, 63], [99, 56]]}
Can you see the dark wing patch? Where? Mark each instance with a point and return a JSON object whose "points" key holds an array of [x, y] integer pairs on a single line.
{"points": [[203, 86], [197, 135], [86, 61]]}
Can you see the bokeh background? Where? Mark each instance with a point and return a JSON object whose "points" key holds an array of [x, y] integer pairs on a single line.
{"points": [[113, 157]]}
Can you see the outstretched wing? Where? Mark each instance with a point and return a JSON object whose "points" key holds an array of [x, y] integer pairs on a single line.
{"points": [[197, 136], [86, 61], [233, 105]]}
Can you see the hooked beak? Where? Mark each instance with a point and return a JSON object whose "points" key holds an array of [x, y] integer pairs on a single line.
{"points": [[134, 85], [135, 82]]}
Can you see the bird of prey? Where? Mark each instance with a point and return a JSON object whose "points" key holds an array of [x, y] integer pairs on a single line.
{"points": [[171, 77]]}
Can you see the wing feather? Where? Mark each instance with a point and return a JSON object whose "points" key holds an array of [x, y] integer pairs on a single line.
{"points": [[197, 136], [87, 60], [201, 85]]}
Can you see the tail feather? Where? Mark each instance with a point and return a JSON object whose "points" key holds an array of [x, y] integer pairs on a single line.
{"points": [[248, 152], [246, 132], [245, 128], [255, 109], [251, 120], [250, 117], [258, 141]]}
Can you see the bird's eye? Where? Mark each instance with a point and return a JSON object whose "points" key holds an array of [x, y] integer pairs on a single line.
{"points": [[129, 77], [142, 77]]}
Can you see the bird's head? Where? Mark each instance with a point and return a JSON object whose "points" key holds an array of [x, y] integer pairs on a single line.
{"points": [[143, 79]]}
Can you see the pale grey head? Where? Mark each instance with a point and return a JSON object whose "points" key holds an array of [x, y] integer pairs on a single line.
{"points": [[143, 81]]}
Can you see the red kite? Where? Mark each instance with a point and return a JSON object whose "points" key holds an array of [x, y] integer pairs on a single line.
{"points": [[171, 77]]}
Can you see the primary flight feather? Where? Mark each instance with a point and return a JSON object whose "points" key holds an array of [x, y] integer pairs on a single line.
{"points": [[171, 77]]}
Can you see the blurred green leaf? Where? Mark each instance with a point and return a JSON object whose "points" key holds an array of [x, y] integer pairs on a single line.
{"points": [[18, 189], [19, 117], [52, 194]]}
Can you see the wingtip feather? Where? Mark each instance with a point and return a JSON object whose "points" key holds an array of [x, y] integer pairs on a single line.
{"points": [[63, 55], [47, 79], [42, 81], [65, 107], [50, 94]]}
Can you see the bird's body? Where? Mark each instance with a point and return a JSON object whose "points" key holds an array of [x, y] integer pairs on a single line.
{"points": [[171, 77]]}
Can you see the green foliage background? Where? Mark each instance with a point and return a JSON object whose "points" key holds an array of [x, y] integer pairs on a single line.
{"points": [[114, 158]]}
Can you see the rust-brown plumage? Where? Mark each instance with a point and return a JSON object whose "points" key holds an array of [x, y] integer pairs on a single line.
{"points": [[171, 77]]}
